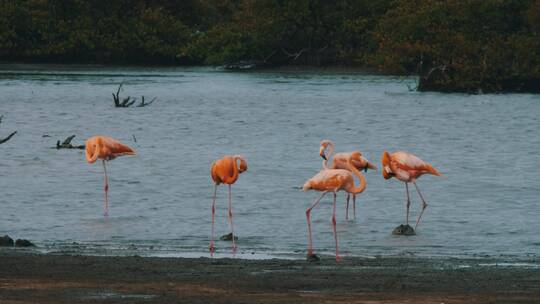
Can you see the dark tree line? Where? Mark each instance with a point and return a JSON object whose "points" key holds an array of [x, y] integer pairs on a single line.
{"points": [[454, 45]]}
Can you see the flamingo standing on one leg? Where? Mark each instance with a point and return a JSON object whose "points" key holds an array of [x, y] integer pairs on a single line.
{"points": [[333, 180], [225, 170], [105, 148], [340, 161], [407, 167]]}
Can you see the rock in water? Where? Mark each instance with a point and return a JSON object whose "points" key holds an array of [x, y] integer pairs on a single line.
{"points": [[403, 230], [6, 241], [24, 243], [228, 237], [311, 258]]}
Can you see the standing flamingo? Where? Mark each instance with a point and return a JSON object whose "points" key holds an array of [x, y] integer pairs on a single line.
{"points": [[407, 167], [105, 148], [225, 170], [333, 180], [340, 161]]}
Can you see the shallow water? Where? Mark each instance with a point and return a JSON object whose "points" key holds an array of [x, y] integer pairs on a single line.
{"points": [[485, 145]]}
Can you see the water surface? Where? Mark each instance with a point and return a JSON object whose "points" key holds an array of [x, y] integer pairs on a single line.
{"points": [[485, 145]]}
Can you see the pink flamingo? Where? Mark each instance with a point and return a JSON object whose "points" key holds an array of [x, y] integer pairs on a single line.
{"points": [[332, 180], [340, 161], [407, 167], [225, 170], [105, 148]]}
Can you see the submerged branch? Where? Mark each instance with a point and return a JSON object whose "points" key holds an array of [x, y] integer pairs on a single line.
{"points": [[8, 138], [67, 144], [143, 104], [128, 101]]}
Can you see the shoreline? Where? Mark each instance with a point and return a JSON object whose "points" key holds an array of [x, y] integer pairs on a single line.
{"points": [[27, 277], [330, 69]]}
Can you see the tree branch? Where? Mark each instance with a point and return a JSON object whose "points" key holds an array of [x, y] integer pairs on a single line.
{"points": [[295, 55], [10, 135], [67, 144], [128, 101], [8, 138]]}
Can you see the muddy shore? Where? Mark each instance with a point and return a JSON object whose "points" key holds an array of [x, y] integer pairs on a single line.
{"points": [[27, 277]]}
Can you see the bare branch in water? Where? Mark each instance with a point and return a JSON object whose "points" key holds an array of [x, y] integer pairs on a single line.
{"points": [[68, 140], [116, 97], [144, 104], [128, 101], [67, 144], [9, 136]]}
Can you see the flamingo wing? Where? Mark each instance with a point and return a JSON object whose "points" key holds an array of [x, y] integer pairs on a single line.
{"points": [[116, 148], [410, 162], [328, 180], [341, 160], [223, 170]]}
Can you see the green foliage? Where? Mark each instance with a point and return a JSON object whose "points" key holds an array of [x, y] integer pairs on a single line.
{"points": [[454, 45], [460, 45], [98, 30]]}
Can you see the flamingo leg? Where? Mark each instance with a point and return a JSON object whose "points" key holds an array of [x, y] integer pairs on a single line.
{"points": [[106, 213], [347, 207], [231, 221], [408, 201], [424, 205], [308, 216], [211, 247], [354, 205], [338, 258]]}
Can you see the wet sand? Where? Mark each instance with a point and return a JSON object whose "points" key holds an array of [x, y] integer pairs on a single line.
{"points": [[27, 277]]}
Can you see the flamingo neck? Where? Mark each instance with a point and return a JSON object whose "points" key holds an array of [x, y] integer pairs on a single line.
{"points": [[235, 167], [330, 154], [93, 157], [362, 186]]}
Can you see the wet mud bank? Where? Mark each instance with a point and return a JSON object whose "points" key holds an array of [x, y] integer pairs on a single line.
{"points": [[32, 278]]}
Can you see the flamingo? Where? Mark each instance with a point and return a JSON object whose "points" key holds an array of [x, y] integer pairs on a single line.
{"points": [[333, 180], [340, 162], [226, 171], [407, 168], [105, 148]]}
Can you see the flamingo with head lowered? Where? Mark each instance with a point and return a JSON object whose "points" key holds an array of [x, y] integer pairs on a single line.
{"points": [[333, 180], [225, 170], [105, 148], [407, 167], [340, 161]]}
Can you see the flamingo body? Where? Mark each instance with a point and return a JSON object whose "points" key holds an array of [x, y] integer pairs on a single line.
{"points": [[358, 161], [105, 148], [332, 180], [407, 168], [225, 170], [341, 161]]}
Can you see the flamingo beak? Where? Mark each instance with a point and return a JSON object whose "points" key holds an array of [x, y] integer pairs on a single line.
{"points": [[368, 165], [321, 153]]}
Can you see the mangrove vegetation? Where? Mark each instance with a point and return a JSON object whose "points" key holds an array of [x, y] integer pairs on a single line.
{"points": [[453, 45]]}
